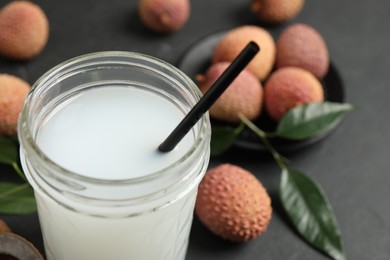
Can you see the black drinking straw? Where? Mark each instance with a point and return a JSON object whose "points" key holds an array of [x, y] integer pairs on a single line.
{"points": [[208, 99]]}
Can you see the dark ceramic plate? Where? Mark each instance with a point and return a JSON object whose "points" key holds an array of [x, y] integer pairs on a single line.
{"points": [[197, 59]]}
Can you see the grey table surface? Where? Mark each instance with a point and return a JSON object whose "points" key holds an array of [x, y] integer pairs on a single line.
{"points": [[352, 164]]}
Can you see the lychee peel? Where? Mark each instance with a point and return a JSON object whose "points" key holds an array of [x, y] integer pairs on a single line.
{"points": [[232, 43], [276, 11], [289, 87], [13, 91], [300, 45], [164, 16], [233, 204], [244, 95], [4, 228], [24, 30]]}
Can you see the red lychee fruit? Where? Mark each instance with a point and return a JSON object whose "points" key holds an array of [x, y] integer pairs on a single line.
{"points": [[289, 87], [244, 95], [235, 40], [233, 204], [24, 30], [164, 16], [276, 11], [13, 91], [300, 45]]}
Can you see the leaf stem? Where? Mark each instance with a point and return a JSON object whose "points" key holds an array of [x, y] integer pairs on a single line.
{"points": [[263, 136], [19, 171], [239, 129], [13, 190], [300, 197]]}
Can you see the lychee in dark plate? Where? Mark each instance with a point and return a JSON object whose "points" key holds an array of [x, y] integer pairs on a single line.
{"points": [[196, 59]]}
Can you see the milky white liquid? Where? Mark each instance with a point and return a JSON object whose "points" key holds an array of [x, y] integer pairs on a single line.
{"points": [[113, 133]]}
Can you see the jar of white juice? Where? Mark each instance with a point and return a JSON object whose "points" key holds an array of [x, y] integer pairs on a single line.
{"points": [[89, 132]]}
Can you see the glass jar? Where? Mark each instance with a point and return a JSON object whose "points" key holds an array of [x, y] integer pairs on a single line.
{"points": [[146, 217]]}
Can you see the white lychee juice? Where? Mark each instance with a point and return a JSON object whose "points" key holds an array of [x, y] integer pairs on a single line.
{"points": [[112, 133], [103, 189]]}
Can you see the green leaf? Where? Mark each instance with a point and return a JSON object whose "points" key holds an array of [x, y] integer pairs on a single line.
{"points": [[8, 151], [310, 212], [16, 198], [311, 119], [9, 154], [222, 138]]}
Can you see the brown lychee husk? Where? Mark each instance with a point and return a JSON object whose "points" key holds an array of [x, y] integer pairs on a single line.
{"points": [[233, 204], [13, 246], [24, 30], [4, 228], [290, 87], [17, 247], [13, 91], [276, 11], [164, 16], [244, 95], [300, 45], [235, 40]]}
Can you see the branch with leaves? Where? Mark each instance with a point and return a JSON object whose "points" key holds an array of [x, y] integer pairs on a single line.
{"points": [[302, 198]]}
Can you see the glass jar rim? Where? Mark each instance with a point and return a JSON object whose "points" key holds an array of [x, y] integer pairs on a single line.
{"points": [[25, 130]]}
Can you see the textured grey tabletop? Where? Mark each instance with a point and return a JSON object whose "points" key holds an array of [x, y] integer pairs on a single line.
{"points": [[352, 164]]}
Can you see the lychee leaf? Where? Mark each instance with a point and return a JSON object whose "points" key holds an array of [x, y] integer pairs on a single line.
{"points": [[9, 154], [8, 151], [222, 138], [310, 212], [16, 198], [311, 119]]}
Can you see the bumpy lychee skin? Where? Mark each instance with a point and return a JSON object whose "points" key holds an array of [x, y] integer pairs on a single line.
{"points": [[164, 16], [289, 87], [235, 40], [13, 91], [24, 30], [300, 45], [233, 204], [276, 11], [244, 95]]}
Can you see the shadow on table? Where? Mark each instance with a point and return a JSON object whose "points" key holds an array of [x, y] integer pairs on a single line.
{"points": [[204, 242]]}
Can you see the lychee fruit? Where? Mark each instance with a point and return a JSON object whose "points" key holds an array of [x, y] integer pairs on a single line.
{"points": [[24, 30], [235, 40], [244, 95], [233, 204], [13, 91], [289, 87], [276, 11], [164, 16], [300, 45]]}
